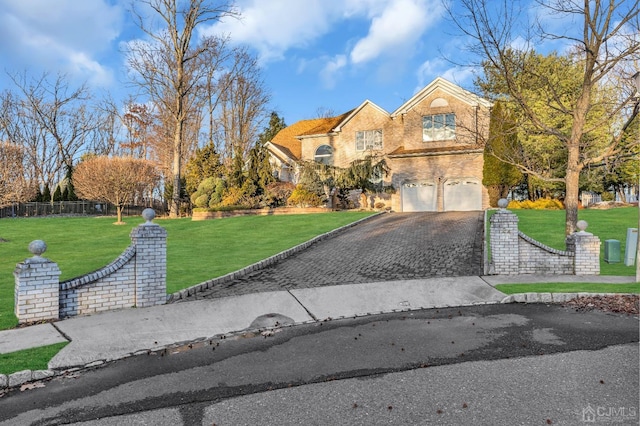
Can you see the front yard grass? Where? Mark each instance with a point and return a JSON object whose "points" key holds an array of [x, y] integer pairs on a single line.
{"points": [[569, 288], [196, 251], [29, 359], [547, 227]]}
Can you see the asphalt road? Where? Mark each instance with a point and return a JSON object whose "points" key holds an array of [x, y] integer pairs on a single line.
{"points": [[493, 364]]}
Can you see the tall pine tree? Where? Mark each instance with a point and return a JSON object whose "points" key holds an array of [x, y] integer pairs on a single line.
{"points": [[497, 175]]}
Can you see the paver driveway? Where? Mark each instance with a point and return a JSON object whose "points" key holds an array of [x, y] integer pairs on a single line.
{"points": [[396, 246]]}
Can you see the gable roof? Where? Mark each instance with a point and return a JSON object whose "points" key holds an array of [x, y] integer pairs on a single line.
{"points": [[349, 115], [281, 153], [288, 142], [322, 126], [446, 86]]}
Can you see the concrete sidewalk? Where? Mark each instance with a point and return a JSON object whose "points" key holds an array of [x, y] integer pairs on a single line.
{"points": [[113, 335]]}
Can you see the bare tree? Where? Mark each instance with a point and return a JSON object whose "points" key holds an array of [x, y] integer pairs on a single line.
{"points": [[606, 38], [14, 186], [167, 67], [324, 112], [137, 119], [117, 180], [51, 120], [243, 107]]}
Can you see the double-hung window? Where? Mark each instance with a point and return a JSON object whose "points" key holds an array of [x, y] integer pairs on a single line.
{"points": [[438, 127], [368, 139]]}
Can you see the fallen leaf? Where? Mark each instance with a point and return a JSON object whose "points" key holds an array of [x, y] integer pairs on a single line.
{"points": [[33, 385]]}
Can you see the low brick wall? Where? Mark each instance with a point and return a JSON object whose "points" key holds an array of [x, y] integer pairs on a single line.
{"points": [[513, 252], [537, 258], [112, 287], [136, 278], [258, 212]]}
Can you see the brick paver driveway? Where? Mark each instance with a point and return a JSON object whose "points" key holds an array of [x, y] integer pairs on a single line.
{"points": [[389, 247]]}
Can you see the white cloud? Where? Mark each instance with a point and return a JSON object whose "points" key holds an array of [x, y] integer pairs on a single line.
{"points": [[275, 26], [65, 36], [430, 69], [398, 27], [333, 66]]}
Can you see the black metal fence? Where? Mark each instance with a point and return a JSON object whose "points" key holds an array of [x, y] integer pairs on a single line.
{"points": [[74, 208]]}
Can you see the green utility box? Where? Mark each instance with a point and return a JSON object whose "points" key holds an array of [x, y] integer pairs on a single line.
{"points": [[612, 251]]}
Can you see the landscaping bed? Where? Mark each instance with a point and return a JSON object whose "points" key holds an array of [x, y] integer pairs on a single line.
{"points": [[204, 215]]}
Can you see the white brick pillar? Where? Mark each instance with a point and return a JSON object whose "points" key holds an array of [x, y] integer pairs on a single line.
{"points": [[150, 241], [37, 286], [586, 247], [504, 241]]}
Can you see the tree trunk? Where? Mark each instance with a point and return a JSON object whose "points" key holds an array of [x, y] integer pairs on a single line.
{"points": [[572, 188], [174, 211], [119, 213]]}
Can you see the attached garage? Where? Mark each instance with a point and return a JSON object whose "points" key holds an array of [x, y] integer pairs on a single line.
{"points": [[419, 197], [462, 195], [458, 194]]}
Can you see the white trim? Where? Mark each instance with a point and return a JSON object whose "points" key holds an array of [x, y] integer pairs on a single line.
{"points": [[356, 111], [283, 157], [446, 86]]}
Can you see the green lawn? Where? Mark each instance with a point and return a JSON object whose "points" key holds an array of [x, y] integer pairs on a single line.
{"points": [[547, 227], [196, 251], [29, 359], [569, 288]]}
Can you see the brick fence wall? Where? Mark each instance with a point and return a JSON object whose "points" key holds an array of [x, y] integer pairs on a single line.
{"points": [[136, 278], [513, 252]]}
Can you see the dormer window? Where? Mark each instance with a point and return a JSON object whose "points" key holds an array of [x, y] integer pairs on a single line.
{"points": [[438, 127], [368, 139]]}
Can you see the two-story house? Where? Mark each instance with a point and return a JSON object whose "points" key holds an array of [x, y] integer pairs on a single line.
{"points": [[432, 144]]}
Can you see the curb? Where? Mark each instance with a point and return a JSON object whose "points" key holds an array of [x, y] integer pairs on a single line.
{"points": [[25, 376], [20, 378], [183, 294], [554, 297]]}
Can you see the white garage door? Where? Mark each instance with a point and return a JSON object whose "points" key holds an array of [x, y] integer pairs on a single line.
{"points": [[419, 197], [462, 195]]}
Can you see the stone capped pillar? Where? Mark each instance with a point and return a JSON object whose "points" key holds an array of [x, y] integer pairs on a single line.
{"points": [[586, 247], [37, 286], [504, 241], [150, 241]]}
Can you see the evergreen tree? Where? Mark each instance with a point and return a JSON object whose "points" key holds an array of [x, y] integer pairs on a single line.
{"points": [[275, 125], [260, 172], [236, 172], [38, 196], [46, 194], [204, 164], [57, 195], [497, 175], [69, 193]]}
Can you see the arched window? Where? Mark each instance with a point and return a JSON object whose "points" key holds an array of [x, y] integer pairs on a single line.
{"points": [[324, 154]]}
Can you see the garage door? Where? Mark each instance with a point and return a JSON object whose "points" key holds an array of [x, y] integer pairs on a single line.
{"points": [[462, 195], [419, 197]]}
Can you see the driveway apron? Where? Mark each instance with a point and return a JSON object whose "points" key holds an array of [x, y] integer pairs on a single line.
{"points": [[389, 247]]}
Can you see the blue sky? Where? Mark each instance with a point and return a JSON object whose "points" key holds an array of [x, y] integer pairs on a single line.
{"points": [[330, 54]]}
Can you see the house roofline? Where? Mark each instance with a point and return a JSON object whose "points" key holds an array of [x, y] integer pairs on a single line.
{"points": [[425, 153], [451, 88], [279, 153], [356, 111]]}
